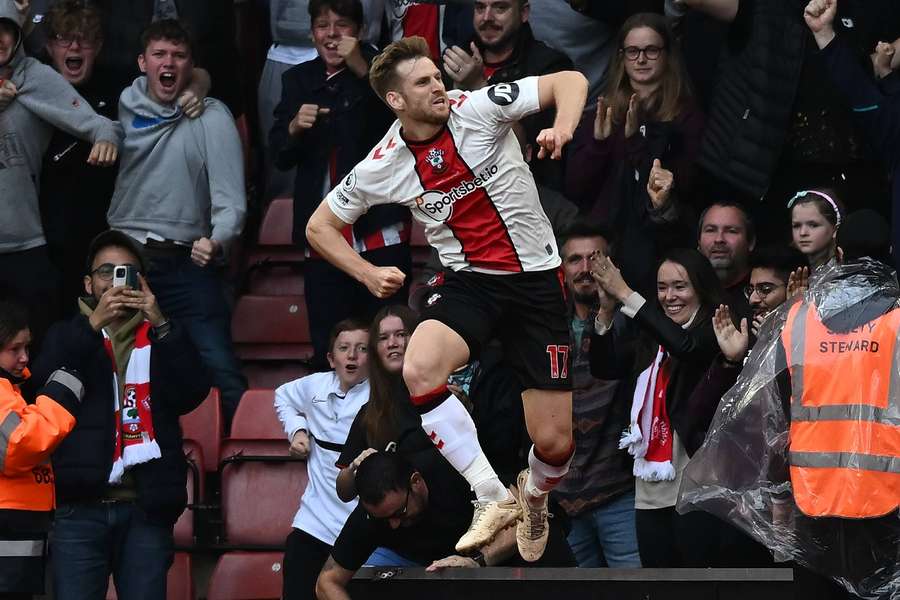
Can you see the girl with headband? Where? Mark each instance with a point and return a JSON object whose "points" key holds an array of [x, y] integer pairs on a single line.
{"points": [[815, 219]]}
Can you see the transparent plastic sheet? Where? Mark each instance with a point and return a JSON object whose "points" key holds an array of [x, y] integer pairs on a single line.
{"points": [[741, 473]]}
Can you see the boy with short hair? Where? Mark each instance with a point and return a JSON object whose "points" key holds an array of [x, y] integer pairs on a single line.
{"points": [[316, 412], [327, 120], [180, 193]]}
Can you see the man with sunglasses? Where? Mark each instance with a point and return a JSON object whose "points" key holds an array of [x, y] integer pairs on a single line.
{"points": [[419, 514], [121, 474]]}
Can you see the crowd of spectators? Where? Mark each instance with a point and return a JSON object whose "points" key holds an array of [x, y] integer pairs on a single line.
{"points": [[725, 145]]}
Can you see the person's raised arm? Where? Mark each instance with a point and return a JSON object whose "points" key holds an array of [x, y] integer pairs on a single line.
{"points": [[819, 16], [332, 581], [567, 91], [323, 232]]}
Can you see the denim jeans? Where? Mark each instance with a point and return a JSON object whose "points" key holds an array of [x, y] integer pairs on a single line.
{"points": [[606, 535], [90, 541], [385, 557], [193, 296]]}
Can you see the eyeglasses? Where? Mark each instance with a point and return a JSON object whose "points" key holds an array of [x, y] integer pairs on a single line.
{"points": [[763, 289], [64, 41], [650, 52], [105, 271], [399, 513]]}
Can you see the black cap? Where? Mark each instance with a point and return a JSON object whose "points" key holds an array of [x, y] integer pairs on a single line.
{"points": [[118, 239], [865, 233]]}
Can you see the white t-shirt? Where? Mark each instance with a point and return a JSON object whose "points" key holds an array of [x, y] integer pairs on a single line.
{"points": [[315, 403], [469, 185]]}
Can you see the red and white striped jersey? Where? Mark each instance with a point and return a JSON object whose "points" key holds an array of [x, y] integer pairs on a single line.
{"points": [[469, 185], [406, 18]]}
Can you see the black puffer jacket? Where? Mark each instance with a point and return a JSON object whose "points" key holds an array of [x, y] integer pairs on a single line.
{"points": [[761, 70], [83, 461], [534, 57], [748, 119]]}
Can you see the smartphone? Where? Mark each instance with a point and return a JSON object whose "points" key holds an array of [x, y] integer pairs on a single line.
{"points": [[126, 275]]}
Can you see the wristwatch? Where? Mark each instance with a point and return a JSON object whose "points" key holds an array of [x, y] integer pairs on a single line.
{"points": [[478, 557], [163, 330]]}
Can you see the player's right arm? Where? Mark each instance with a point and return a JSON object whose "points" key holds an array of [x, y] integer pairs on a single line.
{"points": [[323, 232]]}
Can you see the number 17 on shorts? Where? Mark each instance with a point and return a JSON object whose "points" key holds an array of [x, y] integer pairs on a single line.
{"points": [[559, 361]]}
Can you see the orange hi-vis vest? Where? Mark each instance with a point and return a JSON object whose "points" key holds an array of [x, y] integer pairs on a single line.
{"points": [[844, 448], [29, 433]]}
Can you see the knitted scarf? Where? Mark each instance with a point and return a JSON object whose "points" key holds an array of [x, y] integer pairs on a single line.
{"points": [[649, 436], [135, 440]]}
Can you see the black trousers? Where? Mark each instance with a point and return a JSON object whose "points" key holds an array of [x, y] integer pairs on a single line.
{"points": [[304, 557], [669, 540], [31, 275], [332, 295]]}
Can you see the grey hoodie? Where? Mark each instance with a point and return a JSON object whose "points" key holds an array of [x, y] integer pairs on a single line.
{"points": [[179, 178], [290, 22], [45, 101]]}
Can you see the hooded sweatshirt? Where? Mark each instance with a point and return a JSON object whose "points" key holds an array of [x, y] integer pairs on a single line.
{"points": [[45, 101], [179, 179]]}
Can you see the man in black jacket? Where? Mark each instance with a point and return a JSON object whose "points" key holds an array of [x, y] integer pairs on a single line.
{"points": [[327, 121], [503, 50], [121, 474]]}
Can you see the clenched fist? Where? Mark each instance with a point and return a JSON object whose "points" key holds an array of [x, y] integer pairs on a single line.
{"points": [[306, 118], [384, 282]]}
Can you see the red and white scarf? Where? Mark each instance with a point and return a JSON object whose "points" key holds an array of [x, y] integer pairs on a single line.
{"points": [[135, 440], [649, 436]]}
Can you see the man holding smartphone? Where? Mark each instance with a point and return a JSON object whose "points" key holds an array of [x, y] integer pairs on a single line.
{"points": [[120, 475]]}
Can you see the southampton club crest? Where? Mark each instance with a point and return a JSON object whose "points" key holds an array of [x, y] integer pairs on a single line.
{"points": [[435, 158]]}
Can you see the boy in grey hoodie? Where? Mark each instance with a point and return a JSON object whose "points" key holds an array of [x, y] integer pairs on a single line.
{"points": [[180, 192], [44, 100]]}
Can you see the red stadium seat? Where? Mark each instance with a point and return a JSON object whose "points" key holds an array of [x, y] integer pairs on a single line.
{"points": [[277, 225], [271, 374], [179, 584], [275, 279], [184, 527], [247, 576], [255, 418], [261, 484], [204, 426], [276, 233], [271, 328]]}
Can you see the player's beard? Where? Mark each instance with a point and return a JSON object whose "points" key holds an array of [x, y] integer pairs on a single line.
{"points": [[430, 116]]}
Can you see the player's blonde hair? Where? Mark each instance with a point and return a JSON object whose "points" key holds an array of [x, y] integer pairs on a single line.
{"points": [[383, 72]]}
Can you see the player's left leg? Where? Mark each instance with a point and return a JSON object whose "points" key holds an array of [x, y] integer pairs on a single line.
{"points": [[548, 417], [537, 340]]}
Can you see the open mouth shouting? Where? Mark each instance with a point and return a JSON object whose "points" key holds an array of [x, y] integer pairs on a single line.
{"points": [[168, 81]]}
